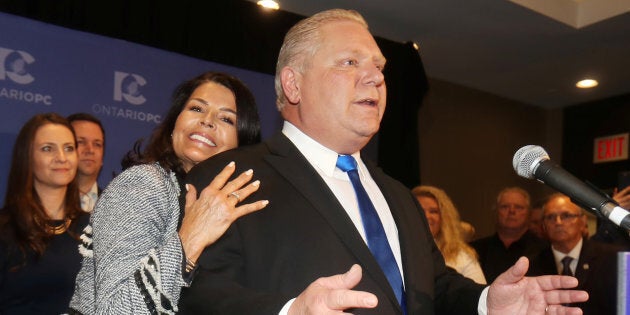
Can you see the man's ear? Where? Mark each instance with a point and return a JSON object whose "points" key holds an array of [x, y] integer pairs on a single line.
{"points": [[290, 79]]}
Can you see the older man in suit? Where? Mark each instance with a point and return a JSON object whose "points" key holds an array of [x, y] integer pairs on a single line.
{"points": [[592, 263], [330, 210]]}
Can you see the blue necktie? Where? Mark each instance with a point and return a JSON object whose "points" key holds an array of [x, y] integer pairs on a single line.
{"points": [[376, 238]]}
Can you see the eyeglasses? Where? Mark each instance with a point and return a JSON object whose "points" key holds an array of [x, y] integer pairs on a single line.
{"points": [[564, 217]]}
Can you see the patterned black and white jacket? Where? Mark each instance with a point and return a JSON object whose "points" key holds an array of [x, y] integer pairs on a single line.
{"points": [[132, 252]]}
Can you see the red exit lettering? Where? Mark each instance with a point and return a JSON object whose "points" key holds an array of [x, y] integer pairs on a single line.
{"points": [[612, 148]]}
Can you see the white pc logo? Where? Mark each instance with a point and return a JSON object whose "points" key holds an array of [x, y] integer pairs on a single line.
{"points": [[15, 68], [127, 86]]}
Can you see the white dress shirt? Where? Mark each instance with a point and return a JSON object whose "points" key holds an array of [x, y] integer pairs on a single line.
{"points": [[574, 253], [324, 162], [88, 200]]}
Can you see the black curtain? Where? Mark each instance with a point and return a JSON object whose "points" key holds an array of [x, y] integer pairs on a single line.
{"points": [[239, 33], [585, 122]]}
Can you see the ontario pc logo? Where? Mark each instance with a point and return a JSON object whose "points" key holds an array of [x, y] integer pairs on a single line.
{"points": [[13, 65], [127, 87], [14, 68]]}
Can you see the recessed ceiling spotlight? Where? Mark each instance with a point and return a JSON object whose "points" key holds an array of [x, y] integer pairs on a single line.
{"points": [[269, 4], [586, 83]]}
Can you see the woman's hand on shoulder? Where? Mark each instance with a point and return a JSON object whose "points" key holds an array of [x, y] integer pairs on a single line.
{"points": [[218, 206]]}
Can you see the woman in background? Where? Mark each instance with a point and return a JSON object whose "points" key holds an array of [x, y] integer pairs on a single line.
{"points": [[445, 226], [41, 220], [147, 231]]}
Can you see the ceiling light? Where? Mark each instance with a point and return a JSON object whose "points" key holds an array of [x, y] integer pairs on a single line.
{"points": [[587, 83], [269, 4]]}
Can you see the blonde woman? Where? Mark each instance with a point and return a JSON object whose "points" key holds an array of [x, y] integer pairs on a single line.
{"points": [[445, 227]]}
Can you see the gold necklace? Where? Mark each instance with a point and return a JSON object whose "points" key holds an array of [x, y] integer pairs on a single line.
{"points": [[57, 229]]}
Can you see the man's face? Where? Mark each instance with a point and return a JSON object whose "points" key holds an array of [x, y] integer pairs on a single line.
{"points": [[342, 88], [564, 222], [513, 212], [89, 146]]}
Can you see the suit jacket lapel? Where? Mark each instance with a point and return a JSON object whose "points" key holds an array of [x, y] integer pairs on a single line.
{"points": [[587, 256], [287, 160], [547, 263]]}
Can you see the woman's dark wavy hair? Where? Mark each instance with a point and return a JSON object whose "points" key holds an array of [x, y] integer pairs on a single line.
{"points": [[23, 216], [160, 147]]}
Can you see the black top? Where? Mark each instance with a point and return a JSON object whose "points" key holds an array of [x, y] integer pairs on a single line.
{"points": [[44, 285], [495, 258]]}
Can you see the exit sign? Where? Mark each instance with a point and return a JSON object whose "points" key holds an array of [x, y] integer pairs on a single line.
{"points": [[611, 148]]}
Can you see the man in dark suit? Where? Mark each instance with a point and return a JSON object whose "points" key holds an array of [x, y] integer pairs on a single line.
{"points": [[289, 258], [592, 263], [91, 148]]}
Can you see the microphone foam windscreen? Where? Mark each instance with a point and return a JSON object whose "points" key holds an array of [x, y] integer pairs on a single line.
{"points": [[526, 158]]}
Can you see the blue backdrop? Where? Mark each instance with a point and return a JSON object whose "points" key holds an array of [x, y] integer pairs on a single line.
{"points": [[46, 68]]}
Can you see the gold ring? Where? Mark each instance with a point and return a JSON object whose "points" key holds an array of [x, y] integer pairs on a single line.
{"points": [[235, 195]]}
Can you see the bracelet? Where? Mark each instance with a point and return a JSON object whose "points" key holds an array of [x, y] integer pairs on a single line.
{"points": [[190, 265]]}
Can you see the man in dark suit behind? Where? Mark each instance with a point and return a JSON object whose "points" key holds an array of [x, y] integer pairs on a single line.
{"points": [[91, 148], [592, 263], [512, 239], [289, 259]]}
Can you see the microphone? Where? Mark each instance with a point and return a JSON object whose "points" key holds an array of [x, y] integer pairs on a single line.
{"points": [[531, 161]]}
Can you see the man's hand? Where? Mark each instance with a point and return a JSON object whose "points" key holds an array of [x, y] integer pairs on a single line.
{"points": [[622, 197], [513, 293], [332, 295]]}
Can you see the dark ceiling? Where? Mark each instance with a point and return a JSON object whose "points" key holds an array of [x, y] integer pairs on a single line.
{"points": [[501, 47]]}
